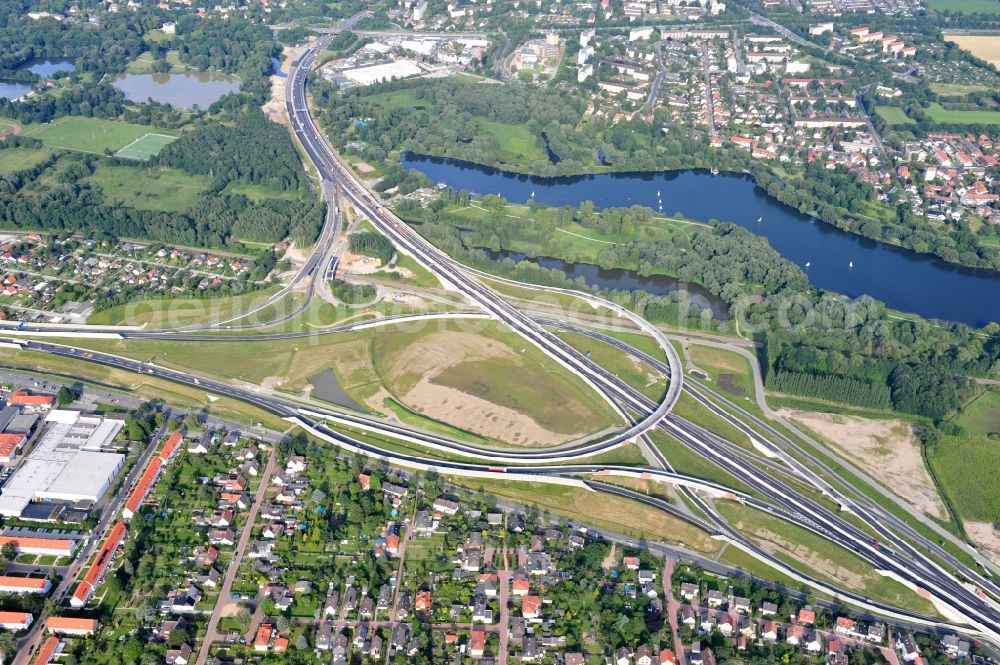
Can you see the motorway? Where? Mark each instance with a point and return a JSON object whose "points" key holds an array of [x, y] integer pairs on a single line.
{"points": [[917, 570], [537, 471], [968, 612]]}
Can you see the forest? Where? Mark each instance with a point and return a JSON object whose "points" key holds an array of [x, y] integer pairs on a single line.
{"points": [[253, 150], [372, 244]]}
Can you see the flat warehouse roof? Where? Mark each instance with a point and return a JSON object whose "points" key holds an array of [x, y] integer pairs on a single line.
{"points": [[66, 464], [86, 478]]}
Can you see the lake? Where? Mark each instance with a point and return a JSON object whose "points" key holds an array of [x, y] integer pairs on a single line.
{"points": [[47, 68], [623, 280], [14, 89], [186, 90], [838, 261], [327, 388], [42, 67]]}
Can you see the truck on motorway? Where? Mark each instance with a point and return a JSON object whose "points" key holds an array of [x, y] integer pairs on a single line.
{"points": [[882, 548]]}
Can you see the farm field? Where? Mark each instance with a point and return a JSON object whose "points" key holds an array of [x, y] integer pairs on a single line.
{"points": [[166, 190], [893, 115], [956, 89], [91, 135], [966, 6], [937, 113], [984, 47]]}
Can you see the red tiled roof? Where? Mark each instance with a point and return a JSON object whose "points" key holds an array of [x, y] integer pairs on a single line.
{"points": [[63, 546], [71, 624], [263, 637], [142, 487], [170, 447], [30, 583], [14, 617], [46, 651], [9, 443], [23, 398], [101, 562]]}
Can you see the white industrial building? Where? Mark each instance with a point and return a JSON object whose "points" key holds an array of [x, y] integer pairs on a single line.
{"points": [[68, 464], [385, 71]]}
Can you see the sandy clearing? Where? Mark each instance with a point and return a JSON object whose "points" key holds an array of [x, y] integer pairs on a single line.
{"points": [[773, 543], [478, 415], [9, 129], [358, 264], [274, 107], [985, 536], [428, 357], [230, 610], [888, 450], [434, 352]]}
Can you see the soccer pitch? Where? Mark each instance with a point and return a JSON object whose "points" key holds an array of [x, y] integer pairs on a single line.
{"points": [[96, 136], [146, 146]]}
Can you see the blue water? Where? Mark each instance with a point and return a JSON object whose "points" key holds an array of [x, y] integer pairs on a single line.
{"points": [[902, 279], [13, 89], [276, 65], [46, 68]]}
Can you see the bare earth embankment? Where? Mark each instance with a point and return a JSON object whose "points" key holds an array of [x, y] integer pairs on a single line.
{"points": [[888, 450]]}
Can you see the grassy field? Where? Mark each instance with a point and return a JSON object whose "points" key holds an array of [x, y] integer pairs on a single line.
{"points": [[91, 135], [965, 468], [146, 146], [258, 193], [894, 115], [730, 372], [18, 159], [516, 142], [937, 113], [689, 463], [167, 190], [982, 414], [144, 63], [495, 366], [956, 89], [600, 510], [966, 6], [811, 552], [174, 312], [690, 409], [623, 365], [288, 365], [410, 417], [397, 99]]}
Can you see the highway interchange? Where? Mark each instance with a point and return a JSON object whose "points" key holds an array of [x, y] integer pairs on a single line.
{"points": [[772, 473]]}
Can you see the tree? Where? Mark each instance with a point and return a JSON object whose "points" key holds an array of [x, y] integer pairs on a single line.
{"points": [[65, 396], [8, 552]]}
